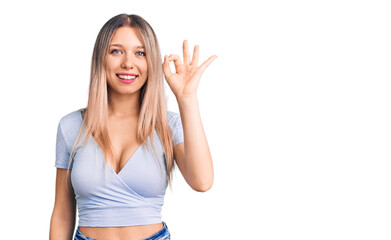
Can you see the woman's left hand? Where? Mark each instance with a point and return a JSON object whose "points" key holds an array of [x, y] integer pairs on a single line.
{"points": [[184, 82]]}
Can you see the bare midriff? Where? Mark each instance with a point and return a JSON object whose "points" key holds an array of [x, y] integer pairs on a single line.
{"points": [[121, 233]]}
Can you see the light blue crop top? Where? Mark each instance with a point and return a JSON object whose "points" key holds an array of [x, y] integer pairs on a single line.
{"points": [[132, 197]]}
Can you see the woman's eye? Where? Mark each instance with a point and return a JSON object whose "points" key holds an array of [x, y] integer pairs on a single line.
{"points": [[140, 53], [115, 51]]}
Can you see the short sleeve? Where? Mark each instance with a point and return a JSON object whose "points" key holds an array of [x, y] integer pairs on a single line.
{"points": [[176, 127], [62, 153]]}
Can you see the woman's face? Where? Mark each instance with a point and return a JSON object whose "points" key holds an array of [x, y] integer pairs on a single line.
{"points": [[126, 64]]}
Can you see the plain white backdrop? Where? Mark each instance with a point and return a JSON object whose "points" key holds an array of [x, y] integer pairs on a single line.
{"points": [[296, 109]]}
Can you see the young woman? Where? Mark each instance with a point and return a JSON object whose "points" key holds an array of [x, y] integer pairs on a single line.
{"points": [[115, 157]]}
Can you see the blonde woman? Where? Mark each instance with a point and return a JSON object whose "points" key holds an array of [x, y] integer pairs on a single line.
{"points": [[115, 157]]}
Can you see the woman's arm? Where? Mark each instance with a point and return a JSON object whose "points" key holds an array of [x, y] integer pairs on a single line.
{"points": [[62, 224], [193, 157], [195, 163]]}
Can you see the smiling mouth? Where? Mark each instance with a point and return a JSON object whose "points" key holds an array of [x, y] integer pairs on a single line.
{"points": [[126, 77]]}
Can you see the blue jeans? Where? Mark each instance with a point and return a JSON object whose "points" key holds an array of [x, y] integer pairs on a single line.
{"points": [[162, 234]]}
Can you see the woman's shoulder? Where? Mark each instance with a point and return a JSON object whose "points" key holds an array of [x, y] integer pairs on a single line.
{"points": [[174, 120], [71, 117], [71, 122], [175, 123]]}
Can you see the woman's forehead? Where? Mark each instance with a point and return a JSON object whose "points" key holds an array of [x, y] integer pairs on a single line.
{"points": [[126, 36]]}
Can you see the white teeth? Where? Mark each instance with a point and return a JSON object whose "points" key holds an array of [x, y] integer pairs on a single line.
{"points": [[127, 77]]}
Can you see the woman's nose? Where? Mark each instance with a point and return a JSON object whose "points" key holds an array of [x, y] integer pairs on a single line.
{"points": [[128, 62]]}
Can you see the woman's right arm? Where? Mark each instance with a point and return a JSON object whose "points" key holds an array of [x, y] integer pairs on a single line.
{"points": [[62, 223]]}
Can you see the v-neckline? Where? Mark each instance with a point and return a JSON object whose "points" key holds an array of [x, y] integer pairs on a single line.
{"points": [[130, 158], [120, 171]]}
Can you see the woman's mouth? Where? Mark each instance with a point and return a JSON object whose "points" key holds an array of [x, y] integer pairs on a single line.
{"points": [[127, 78]]}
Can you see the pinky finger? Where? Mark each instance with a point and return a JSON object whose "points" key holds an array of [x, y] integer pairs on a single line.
{"points": [[205, 64]]}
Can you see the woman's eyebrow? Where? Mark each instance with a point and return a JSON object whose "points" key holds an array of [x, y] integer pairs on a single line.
{"points": [[120, 45], [116, 44]]}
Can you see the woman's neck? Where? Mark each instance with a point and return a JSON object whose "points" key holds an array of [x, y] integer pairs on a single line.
{"points": [[124, 106]]}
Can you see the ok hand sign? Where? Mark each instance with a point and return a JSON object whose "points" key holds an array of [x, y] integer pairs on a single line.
{"points": [[184, 82]]}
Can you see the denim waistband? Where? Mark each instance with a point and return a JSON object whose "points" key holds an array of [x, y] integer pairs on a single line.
{"points": [[162, 234]]}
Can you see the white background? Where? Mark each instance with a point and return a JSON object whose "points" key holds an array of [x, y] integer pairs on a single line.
{"points": [[296, 109]]}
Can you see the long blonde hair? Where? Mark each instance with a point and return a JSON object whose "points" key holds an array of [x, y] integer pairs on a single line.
{"points": [[153, 104]]}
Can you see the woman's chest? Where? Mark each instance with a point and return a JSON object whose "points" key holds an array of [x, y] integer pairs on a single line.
{"points": [[143, 174], [122, 134]]}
